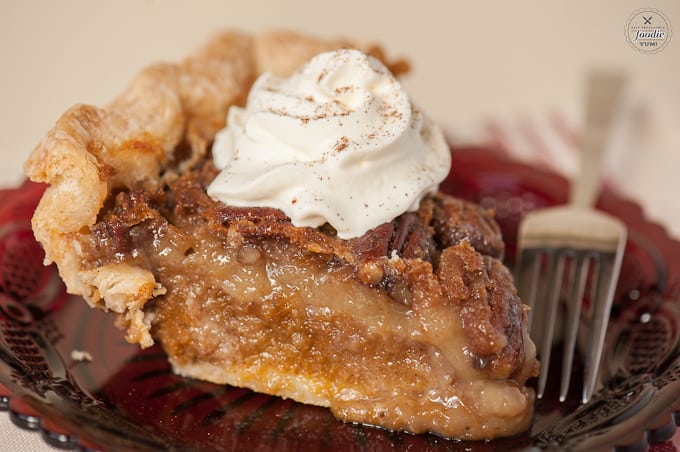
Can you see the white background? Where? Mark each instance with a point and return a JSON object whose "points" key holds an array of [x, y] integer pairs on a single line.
{"points": [[470, 59]]}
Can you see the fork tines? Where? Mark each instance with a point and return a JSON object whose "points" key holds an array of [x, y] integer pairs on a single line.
{"points": [[573, 303]]}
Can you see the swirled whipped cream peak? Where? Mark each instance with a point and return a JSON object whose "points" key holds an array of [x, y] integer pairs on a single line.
{"points": [[337, 142]]}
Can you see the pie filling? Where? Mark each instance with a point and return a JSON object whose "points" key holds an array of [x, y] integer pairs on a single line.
{"points": [[413, 326]]}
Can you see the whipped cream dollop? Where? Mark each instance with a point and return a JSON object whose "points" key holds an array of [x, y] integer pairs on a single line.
{"points": [[337, 142]]}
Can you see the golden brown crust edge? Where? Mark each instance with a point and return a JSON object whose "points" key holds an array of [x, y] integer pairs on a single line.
{"points": [[92, 152]]}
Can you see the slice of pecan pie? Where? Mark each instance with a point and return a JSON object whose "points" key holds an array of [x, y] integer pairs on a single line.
{"points": [[413, 325]]}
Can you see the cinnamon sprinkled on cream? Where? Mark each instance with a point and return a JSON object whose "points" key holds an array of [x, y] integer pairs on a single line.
{"points": [[338, 135]]}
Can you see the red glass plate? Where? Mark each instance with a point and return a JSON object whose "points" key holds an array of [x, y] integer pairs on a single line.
{"points": [[128, 399]]}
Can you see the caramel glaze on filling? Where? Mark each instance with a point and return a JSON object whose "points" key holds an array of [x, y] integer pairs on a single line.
{"points": [[235, 278]]}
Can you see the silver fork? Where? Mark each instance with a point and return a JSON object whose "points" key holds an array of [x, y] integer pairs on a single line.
{"points": [[565, 249]]}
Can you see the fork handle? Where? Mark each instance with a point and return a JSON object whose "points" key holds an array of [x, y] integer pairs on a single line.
{"points": [[603, 93]]}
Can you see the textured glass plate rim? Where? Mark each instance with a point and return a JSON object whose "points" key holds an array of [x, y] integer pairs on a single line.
{"points": [[77, 432]]}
